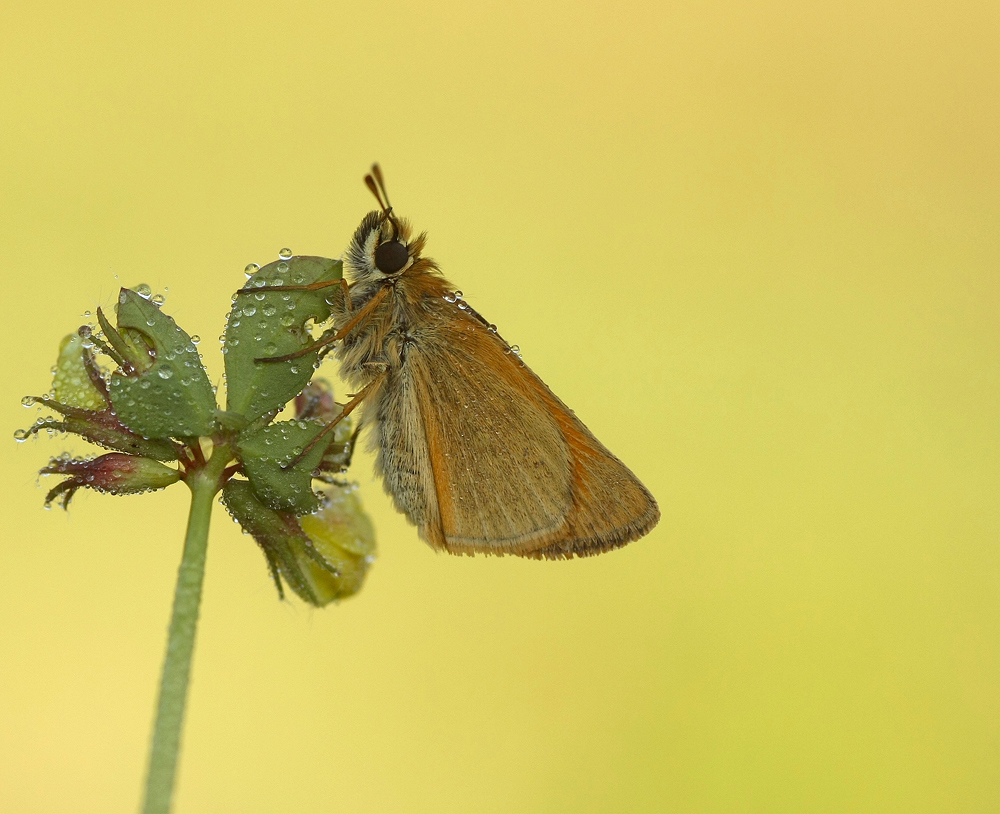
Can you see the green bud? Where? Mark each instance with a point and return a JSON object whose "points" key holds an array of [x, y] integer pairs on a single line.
{"points": [[72, 382], [344, 536], [81, 397], [322, 564], [316, 402], [114, 473]]}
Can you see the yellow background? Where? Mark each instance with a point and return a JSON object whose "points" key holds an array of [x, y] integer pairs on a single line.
{"points": [[754, 245]]}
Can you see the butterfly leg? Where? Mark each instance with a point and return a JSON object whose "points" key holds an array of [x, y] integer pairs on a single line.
{"points": [[346, 290], [317, 286], [355, 321], [345, 411]]}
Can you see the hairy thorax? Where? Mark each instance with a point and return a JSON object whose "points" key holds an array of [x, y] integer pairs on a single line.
{"points": [[381, 342]]}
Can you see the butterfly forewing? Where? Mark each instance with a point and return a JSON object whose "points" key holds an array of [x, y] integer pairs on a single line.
{"points": [[487, 459]]}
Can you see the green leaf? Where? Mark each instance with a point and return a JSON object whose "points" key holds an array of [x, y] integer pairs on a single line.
{"points": [[264, 452], [173, 398], [266, 324], [277, 533]]}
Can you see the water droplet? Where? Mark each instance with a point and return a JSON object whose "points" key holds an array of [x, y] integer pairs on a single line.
{"points": [[284, 254], [143, 291], [195, 339], [250, 269], [287, 321], [259, 296], [159, 299], [449, 297], [458, 295], [27, 401], [282, 267], [21, 435], [249, 310], [462, 304], [270, 349], [269, 310], [144, 384], [492, 329]]}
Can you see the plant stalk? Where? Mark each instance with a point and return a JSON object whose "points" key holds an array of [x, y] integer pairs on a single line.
{"points": [[165, 746]]}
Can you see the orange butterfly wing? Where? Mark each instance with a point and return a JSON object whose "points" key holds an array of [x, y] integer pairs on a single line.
{"points": [[485, 458]]}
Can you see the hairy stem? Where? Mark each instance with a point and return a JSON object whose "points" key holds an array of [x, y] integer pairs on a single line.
{"points": [[204, 485]]}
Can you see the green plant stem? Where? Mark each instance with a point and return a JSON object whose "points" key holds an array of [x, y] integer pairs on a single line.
{"points": [[165, 745]]}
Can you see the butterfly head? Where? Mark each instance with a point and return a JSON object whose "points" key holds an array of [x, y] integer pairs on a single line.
{"points": [[382, 247]]}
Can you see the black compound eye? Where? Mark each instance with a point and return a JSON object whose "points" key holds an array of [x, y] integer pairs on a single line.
{"points": [[391, 256]]}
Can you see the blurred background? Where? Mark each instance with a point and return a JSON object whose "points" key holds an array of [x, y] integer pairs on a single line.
{"points": [[754, 246]]}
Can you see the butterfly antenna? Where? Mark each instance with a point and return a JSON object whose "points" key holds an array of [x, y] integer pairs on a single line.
{"points": [[376, 183]]}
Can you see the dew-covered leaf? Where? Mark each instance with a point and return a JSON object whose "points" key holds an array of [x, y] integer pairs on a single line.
{"points": [[264, 452], [267, 324], [277, 533], [173, 397]]}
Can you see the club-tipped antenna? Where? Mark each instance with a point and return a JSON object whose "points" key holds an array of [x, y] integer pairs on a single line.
{"points": [[376, 183]]}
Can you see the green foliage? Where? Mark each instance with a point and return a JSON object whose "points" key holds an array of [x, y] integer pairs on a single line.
{"points": [[266, 324], [272, 463], [157, 405], [172, 397]]}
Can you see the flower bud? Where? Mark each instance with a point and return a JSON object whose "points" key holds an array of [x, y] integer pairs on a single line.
{"points": [[74, 381], [316, 402], [115, 473], [80, 395], [344, 536], [323, 556]]}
